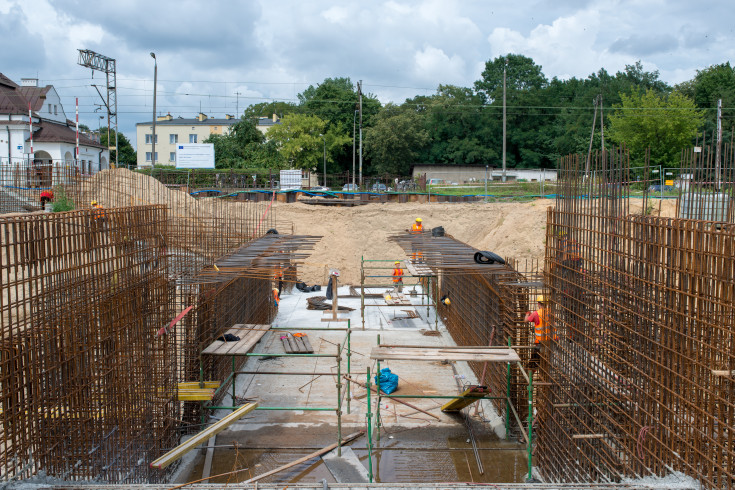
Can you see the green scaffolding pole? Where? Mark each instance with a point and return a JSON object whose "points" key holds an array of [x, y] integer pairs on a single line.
{"points": [[369, 417]]}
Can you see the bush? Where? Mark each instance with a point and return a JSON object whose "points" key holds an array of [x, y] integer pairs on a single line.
{"points": [[61, 201]]}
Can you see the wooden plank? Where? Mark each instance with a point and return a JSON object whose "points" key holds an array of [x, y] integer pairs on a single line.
{"points": [[444, 353], [307, 344], [418, 270], [324, 450], [286, 344], [249, 335], [207, 433]]}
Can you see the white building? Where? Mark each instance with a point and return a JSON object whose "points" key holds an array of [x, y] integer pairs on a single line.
{"points": [[54, 137]]}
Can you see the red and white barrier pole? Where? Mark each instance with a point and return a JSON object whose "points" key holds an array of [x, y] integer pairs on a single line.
{"points": [[77, 150], [30, 127]]}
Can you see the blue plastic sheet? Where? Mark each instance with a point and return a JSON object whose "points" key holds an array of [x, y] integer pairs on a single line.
{"points": [[388, 381]]}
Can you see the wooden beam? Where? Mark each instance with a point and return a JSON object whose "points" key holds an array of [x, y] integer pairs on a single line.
{"points": [[588, 436], [210, 431], [315, 454]]}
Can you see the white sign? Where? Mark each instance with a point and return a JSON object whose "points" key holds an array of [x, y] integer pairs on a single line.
{"points": [[697, 149], [290, 179], [195, 156]]}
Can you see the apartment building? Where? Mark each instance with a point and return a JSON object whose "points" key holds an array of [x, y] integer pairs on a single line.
{"points": [[171, 131]]}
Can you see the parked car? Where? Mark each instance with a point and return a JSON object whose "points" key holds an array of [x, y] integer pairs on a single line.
{"points": [[659, 188], [350, 187], [320, 188], [378, 187]]}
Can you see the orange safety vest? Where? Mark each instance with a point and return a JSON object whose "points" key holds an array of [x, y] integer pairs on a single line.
{"points": [[276, 299], [99, 212], [542, 330], [397, 275], [417, 227]]}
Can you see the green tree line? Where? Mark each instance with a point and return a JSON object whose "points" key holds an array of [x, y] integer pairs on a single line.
{"points": [[546, 119]]}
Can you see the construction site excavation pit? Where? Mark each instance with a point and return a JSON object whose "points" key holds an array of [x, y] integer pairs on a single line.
{"points": [[418, 443]]}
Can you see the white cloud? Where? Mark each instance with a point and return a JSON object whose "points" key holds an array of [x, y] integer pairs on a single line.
{"points": [[431, 64]]}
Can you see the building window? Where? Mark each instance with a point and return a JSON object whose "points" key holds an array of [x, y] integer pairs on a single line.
{"points": [[49, 108], [192, 138], [148, 156], [149, 138], [56, 111], [172, 156], [173, 138]]}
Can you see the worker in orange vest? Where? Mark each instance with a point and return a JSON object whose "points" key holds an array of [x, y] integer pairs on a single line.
{"points": [[276, 297], [397, 277], [541, 330], [416, 229], [278, 278]]}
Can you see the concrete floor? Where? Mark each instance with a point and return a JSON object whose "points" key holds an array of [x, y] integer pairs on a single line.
{"points": [[268, 438]]}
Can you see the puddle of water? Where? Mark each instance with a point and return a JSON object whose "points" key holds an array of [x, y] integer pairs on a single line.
{"points": [[398, 461]]}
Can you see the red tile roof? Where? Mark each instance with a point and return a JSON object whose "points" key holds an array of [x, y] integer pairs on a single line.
{"points": [[12, 100], [51, 132], [36, 96]]}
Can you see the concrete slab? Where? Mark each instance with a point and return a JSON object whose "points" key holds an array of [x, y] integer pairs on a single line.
{"points": [[346, 468], [311, 396]]}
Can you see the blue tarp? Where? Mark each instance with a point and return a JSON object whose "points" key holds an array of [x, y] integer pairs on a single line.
{"points": [[388, 381]]}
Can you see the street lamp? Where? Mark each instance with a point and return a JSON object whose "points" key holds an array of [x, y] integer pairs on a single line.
{"points": [[155, 81]]}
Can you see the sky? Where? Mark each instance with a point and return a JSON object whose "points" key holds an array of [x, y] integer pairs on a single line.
{"points": [[222, 56]]}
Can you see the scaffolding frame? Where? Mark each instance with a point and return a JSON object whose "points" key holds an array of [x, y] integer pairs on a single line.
{"points": [[424, 280]]}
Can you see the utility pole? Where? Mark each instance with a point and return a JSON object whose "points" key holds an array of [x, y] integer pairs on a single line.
{"points": [[359, 93], [96, 61], [719, 145], [155, 82], [602, 127], [505, 65], [589, 151], [237, 104], [354, 118]]}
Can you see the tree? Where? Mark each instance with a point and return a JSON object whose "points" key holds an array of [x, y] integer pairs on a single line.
{"points": [[709, 85], [335, 101], [666, 124], [267, 109], [301, 140], [394, 141], [244, 147], [522, 75], [461, 131], [128, 157]]}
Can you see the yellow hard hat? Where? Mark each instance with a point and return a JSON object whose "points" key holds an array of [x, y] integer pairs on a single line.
{"points": [[540, 298], [418, 220], [275, 290], [397, 261], [93, 203], [447, 302]]}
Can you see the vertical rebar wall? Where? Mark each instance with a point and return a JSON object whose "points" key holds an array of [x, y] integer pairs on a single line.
{"points": [[488, 303], [80, 299], [641, 372], [88, 388]]}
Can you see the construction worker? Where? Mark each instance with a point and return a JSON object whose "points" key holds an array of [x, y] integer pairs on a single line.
{"points": [[540, 330], [397, 277], [445, 300], [276, 297], [416, 229], [46, 197], [278, 278]]}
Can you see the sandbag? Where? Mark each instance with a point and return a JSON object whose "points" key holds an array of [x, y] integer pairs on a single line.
{"points": [[388, 381]]}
